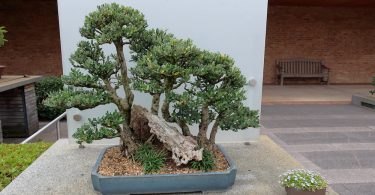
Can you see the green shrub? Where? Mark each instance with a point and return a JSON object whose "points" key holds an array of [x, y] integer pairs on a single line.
{"points": [[151, 159], [304, 180], [43, 88], [15, 158], [206, 164]]}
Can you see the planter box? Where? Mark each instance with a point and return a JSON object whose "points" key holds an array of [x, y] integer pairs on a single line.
{"points": [[367, 101], [293, 191], [164, 183]]}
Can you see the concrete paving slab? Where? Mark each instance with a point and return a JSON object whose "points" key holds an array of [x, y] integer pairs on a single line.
{"points": [[333, 159], [355, 188], [307, 122], [318, 129], [65, 169], [327, 137], [336, 140]]}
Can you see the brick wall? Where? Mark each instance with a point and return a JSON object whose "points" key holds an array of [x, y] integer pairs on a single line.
{"points": [[33, 45], [342, 36]]}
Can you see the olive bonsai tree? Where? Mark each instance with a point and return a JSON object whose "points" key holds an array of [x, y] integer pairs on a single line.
{"points": [[164, 69], [200, 87], [96, 77], [214, 95]]}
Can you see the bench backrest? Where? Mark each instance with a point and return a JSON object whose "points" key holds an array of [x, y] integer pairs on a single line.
{"points": [[300, 66]]}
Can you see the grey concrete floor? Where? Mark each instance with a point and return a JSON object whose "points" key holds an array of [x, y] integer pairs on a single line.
{"points": [[65, 169], [336, 140]]}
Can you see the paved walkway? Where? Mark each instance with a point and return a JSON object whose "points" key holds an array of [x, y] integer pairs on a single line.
{"points": [[65, 169], [336, 140], [311, 94]]}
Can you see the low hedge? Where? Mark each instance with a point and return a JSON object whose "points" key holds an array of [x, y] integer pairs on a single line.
{"points": [[42, 88], [15, 158]]}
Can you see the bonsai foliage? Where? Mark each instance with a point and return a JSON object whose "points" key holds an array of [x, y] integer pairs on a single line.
{"points": [[216, 95], [96, 77], [164, 68], [200, 87], [2, 37], [213, 88]]}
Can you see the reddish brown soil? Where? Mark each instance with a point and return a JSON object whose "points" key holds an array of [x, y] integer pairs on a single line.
{"points": [[114, 163]]}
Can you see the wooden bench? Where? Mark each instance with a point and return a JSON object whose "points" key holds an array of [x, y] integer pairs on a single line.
{"points": [[302, 68]]}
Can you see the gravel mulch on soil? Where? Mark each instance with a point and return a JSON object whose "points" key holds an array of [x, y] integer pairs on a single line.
{"points": [[114, 164]]}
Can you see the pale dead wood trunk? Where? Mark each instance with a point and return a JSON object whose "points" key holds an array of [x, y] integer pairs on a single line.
{"points": [[183, 148]]}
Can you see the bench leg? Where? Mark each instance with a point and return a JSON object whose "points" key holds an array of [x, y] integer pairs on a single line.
{"points": [[282, 81]]}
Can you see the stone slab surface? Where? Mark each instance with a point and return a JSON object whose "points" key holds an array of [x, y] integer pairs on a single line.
{"points": [[335, 140], [351, 189], [349, 159], [65, 169], [327, 137]]}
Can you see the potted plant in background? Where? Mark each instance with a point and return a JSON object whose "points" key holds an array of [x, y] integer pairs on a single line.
{"points": [[154, 156], [303, 182], [2, 42]]}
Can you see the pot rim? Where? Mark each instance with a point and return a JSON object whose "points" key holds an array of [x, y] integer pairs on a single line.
{"points": [[232, 166]]}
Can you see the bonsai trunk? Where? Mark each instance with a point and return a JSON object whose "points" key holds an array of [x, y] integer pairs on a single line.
{"points": [[214, 132], [165, 112], [167, 115], [155, 104], [128, 145], [124, 73], [185, 128], [165, 107], [203, 126]]}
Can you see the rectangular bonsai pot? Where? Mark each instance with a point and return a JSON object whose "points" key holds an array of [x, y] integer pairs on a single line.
{"points": [[164, 183]]}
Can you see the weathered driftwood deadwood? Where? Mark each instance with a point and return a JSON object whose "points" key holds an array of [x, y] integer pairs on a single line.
{"points": [[183, 148]]}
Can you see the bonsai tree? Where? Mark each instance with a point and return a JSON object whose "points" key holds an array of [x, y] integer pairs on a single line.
{"points": [[96, 77], [165, 68], [200, 86], [216, 95], [2, 37]]}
